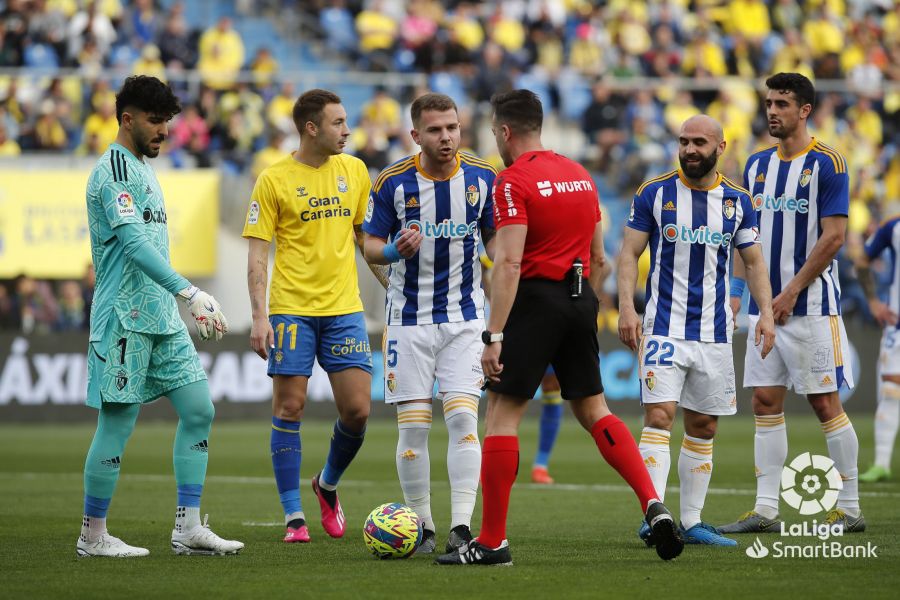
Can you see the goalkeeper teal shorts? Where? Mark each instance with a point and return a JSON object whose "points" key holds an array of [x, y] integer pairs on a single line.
{"points": [[135, 368]]}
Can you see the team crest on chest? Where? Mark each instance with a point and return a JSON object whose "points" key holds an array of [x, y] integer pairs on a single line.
{"points": [[472, 195], [728, 208], [805, 176], [342, 184], [650, 380]]}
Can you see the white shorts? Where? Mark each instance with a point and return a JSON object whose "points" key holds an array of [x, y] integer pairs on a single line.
{"points": [[697, 375], [808, 356], [889, 357], [415, 356]]}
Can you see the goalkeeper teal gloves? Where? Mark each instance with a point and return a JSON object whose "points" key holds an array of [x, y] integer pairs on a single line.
{"points": [[206, 312]]}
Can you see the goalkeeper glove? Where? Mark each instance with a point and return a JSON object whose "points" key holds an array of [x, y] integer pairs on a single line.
{"points": [[206, 312]]}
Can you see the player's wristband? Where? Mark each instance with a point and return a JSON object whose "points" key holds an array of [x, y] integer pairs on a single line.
{"points": [[737, 287], [391, 253]]}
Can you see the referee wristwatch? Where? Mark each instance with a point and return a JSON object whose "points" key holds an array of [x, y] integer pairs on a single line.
{"points": [[489, 338]]}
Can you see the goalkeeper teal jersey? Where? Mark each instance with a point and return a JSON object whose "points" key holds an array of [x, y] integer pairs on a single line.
{"points": [[123, 190]]}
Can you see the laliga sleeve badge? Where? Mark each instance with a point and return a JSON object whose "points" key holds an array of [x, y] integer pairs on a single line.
{"points": [[125, 205], [370, 209], [253, 213], [650, 380]]}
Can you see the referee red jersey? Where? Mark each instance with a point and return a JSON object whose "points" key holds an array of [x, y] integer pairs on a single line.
{"points": [[556, 198]]}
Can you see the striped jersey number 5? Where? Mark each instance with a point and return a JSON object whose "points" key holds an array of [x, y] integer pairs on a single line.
{"points": [[666, 350], [392, 353], [292, 329]]}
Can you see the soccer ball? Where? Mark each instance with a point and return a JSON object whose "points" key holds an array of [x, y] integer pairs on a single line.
{"points": [[393, 530]]}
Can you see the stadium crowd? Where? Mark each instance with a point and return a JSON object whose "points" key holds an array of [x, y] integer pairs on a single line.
{"points": [[699, 55]]}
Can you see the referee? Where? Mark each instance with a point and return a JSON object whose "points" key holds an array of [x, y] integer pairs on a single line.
{"points": [[548, 267]]}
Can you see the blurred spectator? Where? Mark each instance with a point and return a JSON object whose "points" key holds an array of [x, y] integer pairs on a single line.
{"points": [[221, 55], [142, 22], [47, 25], [48, 132], [14, 25], [279, 113], [263, 67], [175, 42], [71, 307], [465, 27], [336, 23], [34, 304], [377, 33], [89, 24], [190, 134], [100, 128], [383, 112], [8, 147], [493, 74], [270, 154], [602, 123], [148, 63]]}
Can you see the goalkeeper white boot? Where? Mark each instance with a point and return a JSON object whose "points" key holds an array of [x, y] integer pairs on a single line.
{"points": [[202, 541], [107, 545]]}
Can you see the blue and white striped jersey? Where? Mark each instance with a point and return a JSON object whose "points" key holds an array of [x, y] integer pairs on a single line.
{"points": [[442, 282], [691, 232], [887, 237], [791, 195]]}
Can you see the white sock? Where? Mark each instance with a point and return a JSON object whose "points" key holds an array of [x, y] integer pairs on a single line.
{"points": [[293, 517], [887, 419], [413, 462], [694, 473], [843, 448], [770, 448], [92, 528], [186, 518], [463, 456], [654, 449]]}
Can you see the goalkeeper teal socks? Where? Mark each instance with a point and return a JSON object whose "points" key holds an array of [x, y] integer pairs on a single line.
{"points": [[101, 467], [190, 453]]}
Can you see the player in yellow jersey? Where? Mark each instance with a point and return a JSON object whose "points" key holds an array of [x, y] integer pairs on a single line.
{"points": [[312, 203]]}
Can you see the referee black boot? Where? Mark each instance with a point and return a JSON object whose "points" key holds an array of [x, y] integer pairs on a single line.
{"points": [[668, 540], [474, 553]]}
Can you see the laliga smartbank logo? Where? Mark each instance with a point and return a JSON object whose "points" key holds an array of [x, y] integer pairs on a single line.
{"points": [[811, 484]]}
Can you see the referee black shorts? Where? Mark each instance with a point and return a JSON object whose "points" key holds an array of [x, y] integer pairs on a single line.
{"points": [[547, 327]]}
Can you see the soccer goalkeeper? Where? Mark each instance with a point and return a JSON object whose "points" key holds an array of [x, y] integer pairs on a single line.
{"points": [[139, 347]]}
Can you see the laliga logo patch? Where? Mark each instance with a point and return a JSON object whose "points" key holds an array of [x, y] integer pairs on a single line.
{"points": [[811, 484], [728, 208], [370, 209], [472, 195], [253, 213], [631, 212], [545, 188], [125, 205]]}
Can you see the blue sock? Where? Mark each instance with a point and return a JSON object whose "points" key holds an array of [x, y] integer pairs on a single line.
{"points": [[551, 416], [96, 507], [344, 446], [189, 495], [286, 455]]}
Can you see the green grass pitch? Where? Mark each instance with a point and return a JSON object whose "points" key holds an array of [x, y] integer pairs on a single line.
{"points": [[574, 539]]}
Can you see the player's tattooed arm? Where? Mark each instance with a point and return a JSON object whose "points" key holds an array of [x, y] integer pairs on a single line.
{"points": [[262, 337], [881, 311], [381, 272]]}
